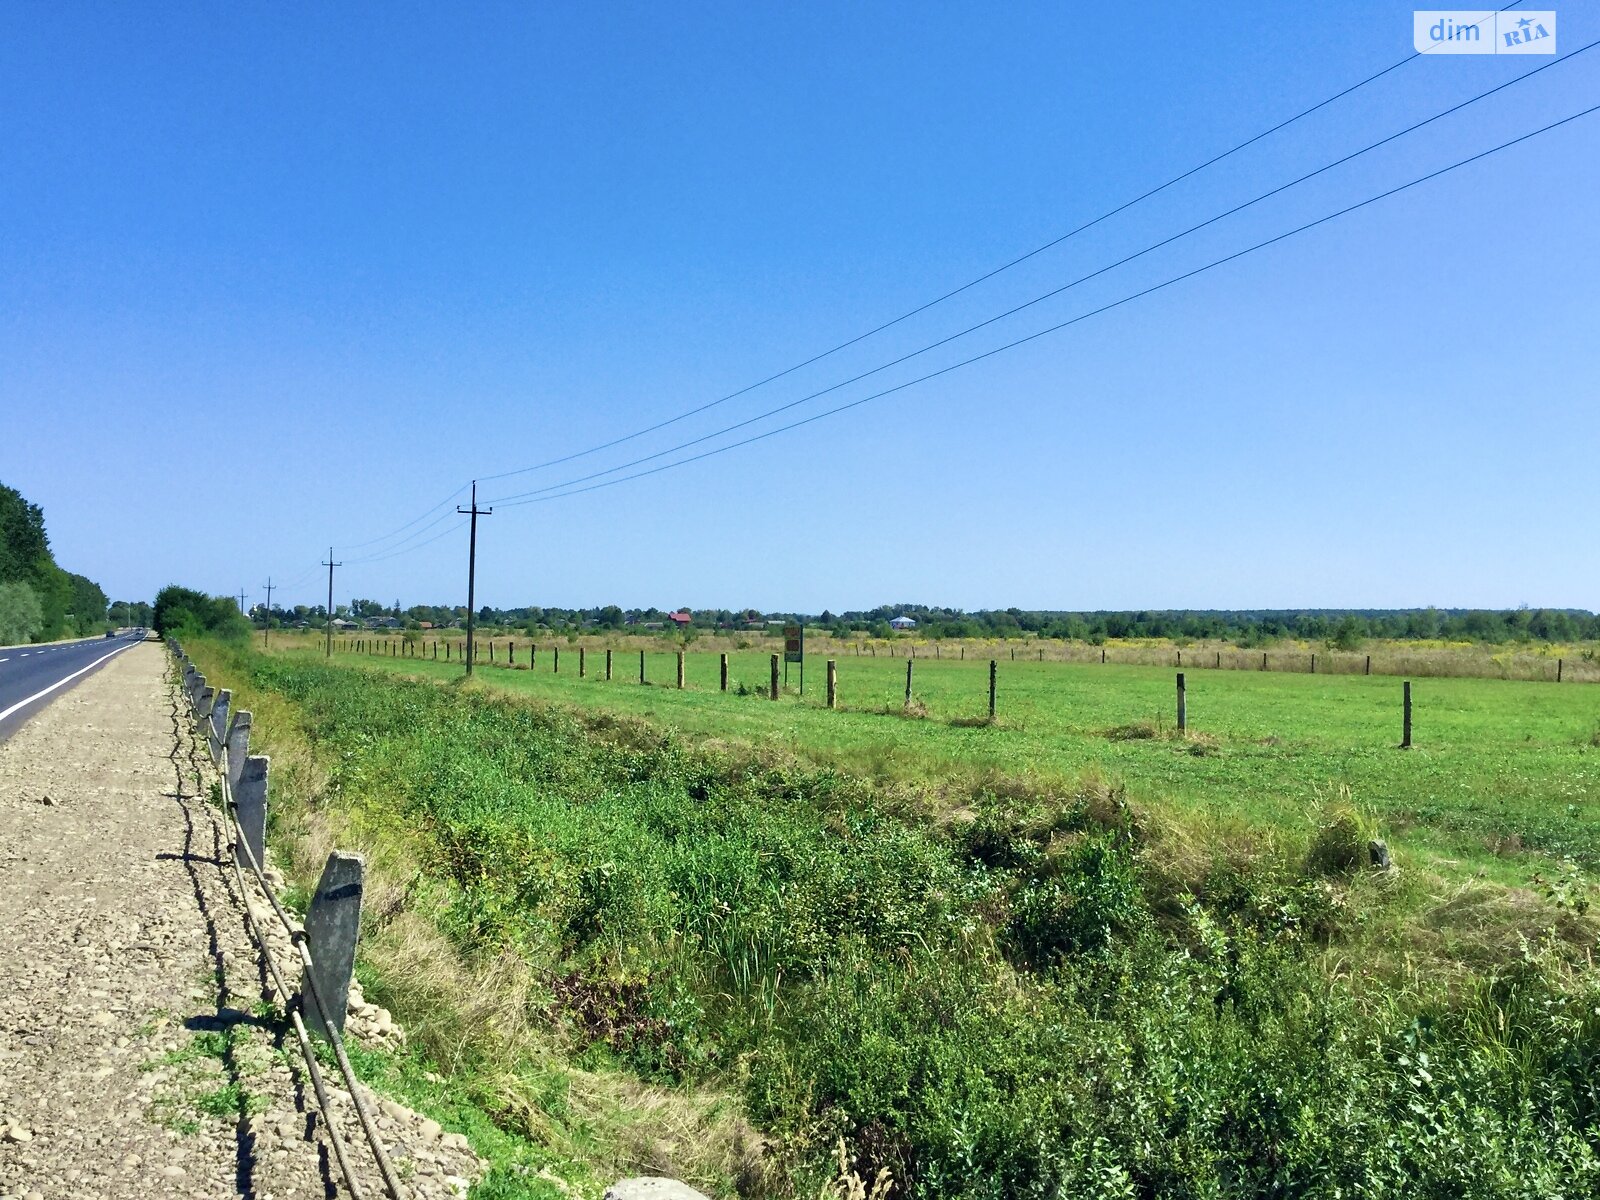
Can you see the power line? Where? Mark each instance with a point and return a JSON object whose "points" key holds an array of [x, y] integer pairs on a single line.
{"points": [[771, 412], [986, 276], [400, 547], [374, 541], [1065, 324]]}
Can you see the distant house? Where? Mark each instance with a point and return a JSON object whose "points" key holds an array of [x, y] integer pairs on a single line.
{"points": [[902, 623], [337, 623], [681, 619], [424, 624]]}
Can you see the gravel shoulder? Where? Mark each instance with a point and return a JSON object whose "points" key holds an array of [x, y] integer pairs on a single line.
{"points": [[142, 1050]]}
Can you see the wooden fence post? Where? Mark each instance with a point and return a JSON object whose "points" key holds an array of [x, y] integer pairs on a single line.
{"points": [[511, 654], [555, 660], [1313, 664], [1405, 727], [1219, 660], [583, 666], [608, 665], [992, 669], [908, 681], [1183, 706], [833, 683], [1558, 670], [774, 677], [641, 666], [1368, 669], [680, 670], [723, 670], [1263, 660], [1102, 656]]}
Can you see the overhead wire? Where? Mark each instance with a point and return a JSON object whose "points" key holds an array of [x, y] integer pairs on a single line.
{"points": [[374, 541], [983, 278], [1067, 323], [1052, 293]]}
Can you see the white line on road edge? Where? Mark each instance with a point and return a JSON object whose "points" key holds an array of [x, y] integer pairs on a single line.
{"points": [[4, 713]]}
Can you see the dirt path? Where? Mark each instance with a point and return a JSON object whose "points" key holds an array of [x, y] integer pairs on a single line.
{"points": [[138, 1053]]}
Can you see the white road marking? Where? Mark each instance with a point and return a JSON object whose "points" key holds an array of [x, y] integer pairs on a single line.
{"points": [[4, 713]]}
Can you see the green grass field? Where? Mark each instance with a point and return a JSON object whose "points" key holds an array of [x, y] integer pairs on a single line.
{"points": [[637, 929], [1502, 776]]}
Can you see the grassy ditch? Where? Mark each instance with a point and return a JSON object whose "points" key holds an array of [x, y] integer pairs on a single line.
{"points": [[628, 948]]}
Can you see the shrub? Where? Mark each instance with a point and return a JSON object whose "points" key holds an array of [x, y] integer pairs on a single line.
{"points": [[20, 615]]}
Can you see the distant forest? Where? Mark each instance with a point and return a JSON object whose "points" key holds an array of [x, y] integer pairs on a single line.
{"points": [[1245, 627], [40, 601]]}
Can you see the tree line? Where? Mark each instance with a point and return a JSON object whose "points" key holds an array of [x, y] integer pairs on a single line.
{"points": [[1340, 628], [39, 600]]}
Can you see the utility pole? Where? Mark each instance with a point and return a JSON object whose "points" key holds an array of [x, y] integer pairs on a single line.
{"points": [[472, 565], [242, 613], [266, 628], [328, 623]]}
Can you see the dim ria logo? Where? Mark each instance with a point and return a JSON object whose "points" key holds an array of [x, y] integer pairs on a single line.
{"points": [[1512, 32]]}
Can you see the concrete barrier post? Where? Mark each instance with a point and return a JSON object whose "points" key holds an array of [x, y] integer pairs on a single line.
{"points": [[202, 708], [333, 923], [238, 741], [218, 733], [250, 808]]}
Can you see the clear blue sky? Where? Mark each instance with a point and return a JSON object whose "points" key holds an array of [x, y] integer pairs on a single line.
{"points": [[278, 276]]}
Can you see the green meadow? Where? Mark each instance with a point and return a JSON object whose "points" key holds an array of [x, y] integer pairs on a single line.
{"points": [[778, 950], [1501, 774]]}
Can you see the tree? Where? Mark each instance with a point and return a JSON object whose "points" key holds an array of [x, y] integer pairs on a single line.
{"points": [[22, 538], [184, 612], [20, 616]]}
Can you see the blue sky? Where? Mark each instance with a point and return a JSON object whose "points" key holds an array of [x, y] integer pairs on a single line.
{"points": [[274, 277]]}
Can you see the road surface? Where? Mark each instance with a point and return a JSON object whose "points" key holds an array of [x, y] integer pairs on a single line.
{"points": [[32, 676]]}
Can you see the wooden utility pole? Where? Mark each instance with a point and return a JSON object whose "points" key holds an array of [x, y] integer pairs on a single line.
{"points": [[328, 623], [472, 565], [266, 627]]}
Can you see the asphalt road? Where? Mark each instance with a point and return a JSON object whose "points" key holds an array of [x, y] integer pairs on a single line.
{"points": [[32, 676]]}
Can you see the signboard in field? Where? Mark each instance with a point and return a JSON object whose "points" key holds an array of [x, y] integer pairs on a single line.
{"points": [[794, 643]]}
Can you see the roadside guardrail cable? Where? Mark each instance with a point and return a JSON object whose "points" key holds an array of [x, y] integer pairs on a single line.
{"points": [[298, 938]]}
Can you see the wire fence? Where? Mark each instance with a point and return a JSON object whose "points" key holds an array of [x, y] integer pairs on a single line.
{"points": [[227, 741], [1577, 664]]}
